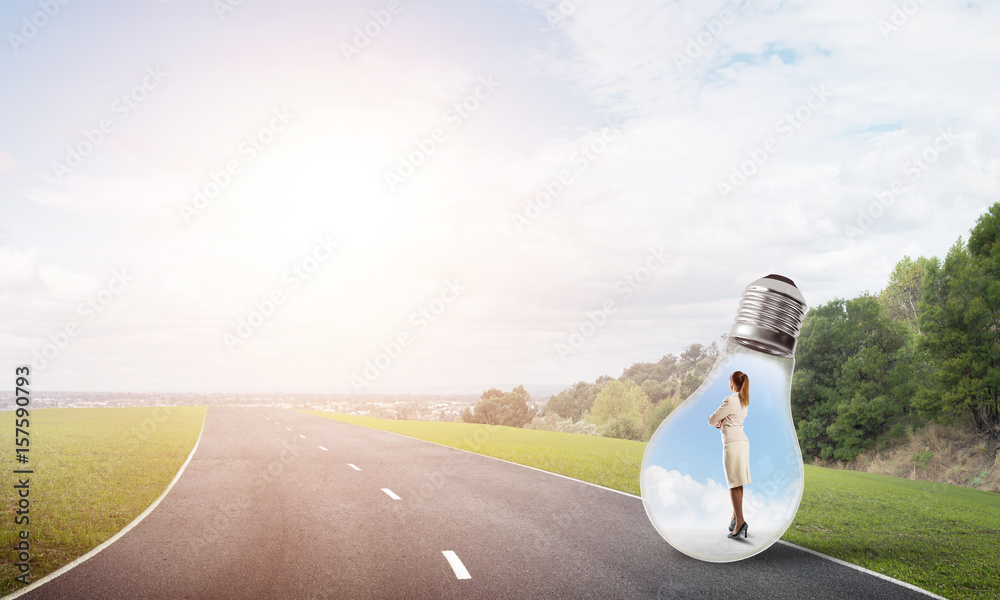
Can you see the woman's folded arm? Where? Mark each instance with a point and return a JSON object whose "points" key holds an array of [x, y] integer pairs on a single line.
{"points": [[724, 411]]}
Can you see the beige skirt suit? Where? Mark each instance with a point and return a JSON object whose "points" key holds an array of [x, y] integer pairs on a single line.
{"points": [[735, 444]]}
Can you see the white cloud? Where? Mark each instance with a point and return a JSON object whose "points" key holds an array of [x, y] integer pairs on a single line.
{"points": [[7, 164], [67, 284], [143, 194], [17, 269], [792, 217], [656, 186], [681, 504], [179, 285]]}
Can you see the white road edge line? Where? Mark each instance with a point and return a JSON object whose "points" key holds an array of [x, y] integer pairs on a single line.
{"points": [[391, 494], [118, 535], [863, 570], [355, 467], [456, 565], [322, 448], [780, 541]]}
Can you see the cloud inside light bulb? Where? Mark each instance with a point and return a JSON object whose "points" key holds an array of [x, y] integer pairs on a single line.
{"points": [[681, 504]]}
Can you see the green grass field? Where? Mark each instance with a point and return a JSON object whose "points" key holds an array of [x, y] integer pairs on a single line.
{"points": [[940, 537], [95, 469]]}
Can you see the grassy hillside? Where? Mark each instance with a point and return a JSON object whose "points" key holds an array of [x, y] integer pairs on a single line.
{"points": [[96, 469], [953, 454], [941, 537]]}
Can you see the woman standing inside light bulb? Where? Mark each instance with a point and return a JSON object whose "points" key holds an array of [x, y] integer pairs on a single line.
{"points": [[735, 446]]}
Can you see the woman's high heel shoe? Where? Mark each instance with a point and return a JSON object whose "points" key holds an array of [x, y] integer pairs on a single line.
{"points": [[732, 524], [744, 530]]}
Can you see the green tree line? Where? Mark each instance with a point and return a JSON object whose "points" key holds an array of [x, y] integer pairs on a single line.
{"points": [[868, 369], [925, 348], [632, 406], [629, 407]]}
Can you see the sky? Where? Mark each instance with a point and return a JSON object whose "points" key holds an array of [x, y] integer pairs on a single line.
{"points": [[392, 196]]}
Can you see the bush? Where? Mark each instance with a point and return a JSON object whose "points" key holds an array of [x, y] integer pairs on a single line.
{"points": [[624, 427], [580, 427], [557, 423], [923, 458]]}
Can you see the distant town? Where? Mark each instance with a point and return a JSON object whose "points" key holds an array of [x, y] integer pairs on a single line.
{"points": [[425, 407]]}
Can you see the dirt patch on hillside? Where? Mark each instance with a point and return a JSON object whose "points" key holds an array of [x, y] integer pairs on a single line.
{"points": [[945, 454]]}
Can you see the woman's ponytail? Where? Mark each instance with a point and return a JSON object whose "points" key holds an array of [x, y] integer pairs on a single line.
{"points": [[741, 381]]}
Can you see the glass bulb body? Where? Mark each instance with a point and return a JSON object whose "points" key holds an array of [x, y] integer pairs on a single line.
{"points": [[683, 480]]}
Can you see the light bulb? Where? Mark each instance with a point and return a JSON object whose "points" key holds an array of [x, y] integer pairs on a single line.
{"points": [[683, 480]]}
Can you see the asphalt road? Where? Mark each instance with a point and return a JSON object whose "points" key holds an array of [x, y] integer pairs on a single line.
{"points": [[264, 511]]}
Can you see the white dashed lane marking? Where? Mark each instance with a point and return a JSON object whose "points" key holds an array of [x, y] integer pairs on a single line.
{"points": [[456, 565], [302, 436], [390, 493], [322, 448], [355, 467]]}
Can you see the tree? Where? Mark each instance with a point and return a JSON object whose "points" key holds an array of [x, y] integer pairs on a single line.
{"points": [[703, 368], [495, 407], [666, 379], [902, 295], [688, 385], [691, 355], [620, 410], [486, 410], [574, 402], [661, 370], [656, 391], [657, 415], [961, 325], [712, 351], [854, 377]]}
